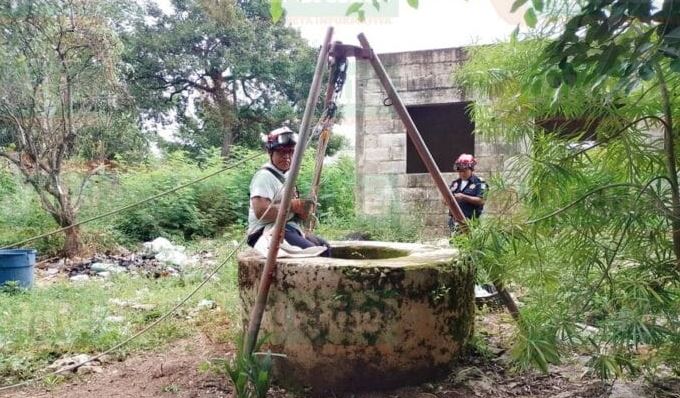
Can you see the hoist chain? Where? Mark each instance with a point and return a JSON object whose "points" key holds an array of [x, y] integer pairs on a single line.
{"points": [[338, 76]]}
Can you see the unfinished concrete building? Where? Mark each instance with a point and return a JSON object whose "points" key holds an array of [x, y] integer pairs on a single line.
{"points": [[391, 177]]}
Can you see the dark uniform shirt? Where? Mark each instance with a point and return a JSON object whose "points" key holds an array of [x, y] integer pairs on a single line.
{"points": [[475, 187]]}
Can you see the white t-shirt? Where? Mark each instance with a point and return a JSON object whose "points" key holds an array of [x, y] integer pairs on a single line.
{"points": [[265, 185]]}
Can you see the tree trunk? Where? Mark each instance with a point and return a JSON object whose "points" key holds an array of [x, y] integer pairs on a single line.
{"points": [[226, 111], [226, 142], [65, 215], [671, 167], [72, 243]]}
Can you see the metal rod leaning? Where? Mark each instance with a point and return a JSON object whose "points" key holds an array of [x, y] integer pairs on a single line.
{"points": [[278, 231], [413, 133], [427, 159]]}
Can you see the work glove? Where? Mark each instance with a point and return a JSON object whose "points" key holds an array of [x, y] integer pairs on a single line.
{"points": [[301, 207]]}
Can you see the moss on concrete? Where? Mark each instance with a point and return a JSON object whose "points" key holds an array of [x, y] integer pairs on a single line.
{"points": [[396, 321]]}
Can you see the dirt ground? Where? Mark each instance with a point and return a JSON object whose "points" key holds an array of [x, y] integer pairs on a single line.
{"points": [[172, 371], [178, 370]]}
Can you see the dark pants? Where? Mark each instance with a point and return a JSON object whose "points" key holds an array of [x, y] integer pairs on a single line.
{"points": [[294, 237]]}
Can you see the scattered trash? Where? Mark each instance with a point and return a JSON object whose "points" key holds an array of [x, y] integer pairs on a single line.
{"points": [[89, 369], [130, 304], [481, 292], [119, 303], [83, 360], [163, 250], [115, 319], [143, 307], [487, 295], [158, 258], [107, 267], [206, 305]]}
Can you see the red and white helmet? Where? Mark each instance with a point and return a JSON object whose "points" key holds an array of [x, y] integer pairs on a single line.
{"points": [[280, 137], [465, 161]]}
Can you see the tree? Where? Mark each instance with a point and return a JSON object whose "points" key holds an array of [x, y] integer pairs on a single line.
{"points": [[593, 232], [222, 67], [58, 73], [626, 44]]}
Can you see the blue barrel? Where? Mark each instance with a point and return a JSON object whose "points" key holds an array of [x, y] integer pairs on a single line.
{"points": [[17, 265]]}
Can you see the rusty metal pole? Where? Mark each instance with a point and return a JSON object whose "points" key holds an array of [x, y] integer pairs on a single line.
{"points": [[413, 133], [426, 157], [277, 235]]}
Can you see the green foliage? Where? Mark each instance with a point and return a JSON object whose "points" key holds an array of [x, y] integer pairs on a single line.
{"points": [[223, 67], [203, 209], [250, 374], [119, 139], [336, 190], [535, 348], [393, 227], [620, 39], [11, 288], [21, 217], [8, 185], [48, 322], [276, 10], [62, 95], [589, 236]]}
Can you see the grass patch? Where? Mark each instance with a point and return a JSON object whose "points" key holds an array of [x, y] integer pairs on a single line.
{"points": [[46, 323]]}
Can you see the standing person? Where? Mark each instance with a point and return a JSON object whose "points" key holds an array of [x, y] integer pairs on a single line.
{"points": [[266, 187], [468, 190]]}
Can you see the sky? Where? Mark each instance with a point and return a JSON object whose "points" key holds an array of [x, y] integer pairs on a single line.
{"points": [[397, 28], [435, 24]]}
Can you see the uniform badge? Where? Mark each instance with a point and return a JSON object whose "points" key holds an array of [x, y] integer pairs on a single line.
{"points": [[472, 186]]}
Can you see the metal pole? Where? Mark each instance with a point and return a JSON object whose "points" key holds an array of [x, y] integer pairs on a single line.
{"points": [[277, 235], [426, 157], [413, 133]]}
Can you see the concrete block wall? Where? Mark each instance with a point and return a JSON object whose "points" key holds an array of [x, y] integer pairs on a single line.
{"points": [[421, 78]]}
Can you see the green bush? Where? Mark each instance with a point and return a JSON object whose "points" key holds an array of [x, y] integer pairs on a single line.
{"points": [[204, 209], [336, 189], [22, 217]]}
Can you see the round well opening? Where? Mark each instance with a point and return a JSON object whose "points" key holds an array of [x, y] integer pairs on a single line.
{"points": [[367, 252]]}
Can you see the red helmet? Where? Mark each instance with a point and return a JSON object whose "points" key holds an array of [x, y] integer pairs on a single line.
{"points": [[465, 161], [281, 137]]}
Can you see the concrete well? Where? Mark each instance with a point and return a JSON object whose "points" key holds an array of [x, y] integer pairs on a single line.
{"points": [[377, 315]]}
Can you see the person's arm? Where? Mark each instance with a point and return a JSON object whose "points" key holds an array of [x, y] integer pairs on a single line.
{"points": [[473, 200], [261, 205]]}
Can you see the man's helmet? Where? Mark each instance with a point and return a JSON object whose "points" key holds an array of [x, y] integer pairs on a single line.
{"points": [[279, 138], [465, 161]]}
